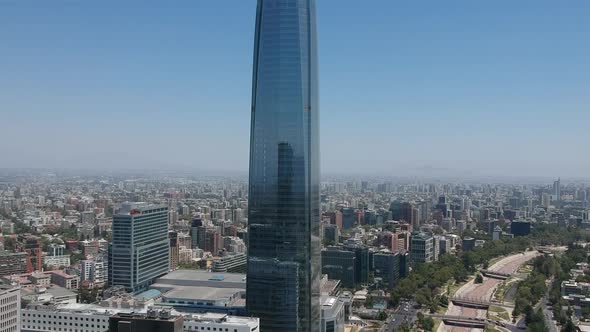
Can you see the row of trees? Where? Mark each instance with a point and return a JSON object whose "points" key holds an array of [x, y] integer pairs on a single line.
{"points": [[532, 289], [528, 293], [560, 267], [426, 280]]}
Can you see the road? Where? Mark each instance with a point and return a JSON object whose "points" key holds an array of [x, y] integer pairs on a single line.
{"points": [[484, 290], [551, 324], [398, 317]]}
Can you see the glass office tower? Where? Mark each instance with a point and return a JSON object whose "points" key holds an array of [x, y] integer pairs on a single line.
{"points": [[284, 248]]}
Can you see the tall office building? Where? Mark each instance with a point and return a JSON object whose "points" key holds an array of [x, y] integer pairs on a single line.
{"points": [[340, 264], [283, 276], [348, 218], [388, 267], [140, 248], [362, 264], [422, 248], [557, 190], [196, 224], [173, 243], [520, 228], [545, 200]]}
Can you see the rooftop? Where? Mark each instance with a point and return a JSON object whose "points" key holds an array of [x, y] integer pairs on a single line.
{"points": [[200, 278], [149, 294], [92, 309], [200, 293], [62, 274], [329, 286], [128, 208], [215, 317]]}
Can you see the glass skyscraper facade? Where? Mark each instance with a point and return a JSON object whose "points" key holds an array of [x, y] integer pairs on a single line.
{"points": [[284, 246]]}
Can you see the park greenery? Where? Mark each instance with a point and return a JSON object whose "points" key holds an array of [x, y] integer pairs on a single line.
{"points": [[560, 270], [531, 290], [478, 278], [426, 323], [425, 282]]}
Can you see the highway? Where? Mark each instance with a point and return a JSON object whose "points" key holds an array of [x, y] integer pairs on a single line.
{"points": [[484, 291]]}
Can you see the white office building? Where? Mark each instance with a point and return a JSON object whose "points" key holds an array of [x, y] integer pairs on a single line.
{"points": [[69, 318], [10, 308], [57, 261], [94, 318], [95, 271], [332, 317]]}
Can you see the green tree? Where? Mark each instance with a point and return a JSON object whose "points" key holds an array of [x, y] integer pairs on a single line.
{"points": [[569, 326], [424, 296], [21, 228], [478, 279], [428, 324], [405, 326], [75, 258]]}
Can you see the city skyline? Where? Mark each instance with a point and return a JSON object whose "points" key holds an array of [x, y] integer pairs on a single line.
{"points": [[413, 93]]}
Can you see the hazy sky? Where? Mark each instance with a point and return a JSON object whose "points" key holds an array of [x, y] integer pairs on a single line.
{"points": [[407, 87]]}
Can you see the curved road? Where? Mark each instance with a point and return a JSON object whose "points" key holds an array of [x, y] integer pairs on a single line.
{"points": [[484, 290]]}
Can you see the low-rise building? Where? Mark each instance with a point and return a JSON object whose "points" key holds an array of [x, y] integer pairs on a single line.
{"points": [[197, 290], [40, 279], [57, 261], [468, 244], [54, 294], [220, 322], [13, 263], [235, 263], [572, 287], [64, 280], [161, 321], [93, 318]]}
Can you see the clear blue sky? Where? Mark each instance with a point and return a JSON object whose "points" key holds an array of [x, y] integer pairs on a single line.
{"points": [[407, 87]]}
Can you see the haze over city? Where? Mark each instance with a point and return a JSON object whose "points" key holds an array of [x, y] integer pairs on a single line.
{"points": [[294, 166], [407, 89]]}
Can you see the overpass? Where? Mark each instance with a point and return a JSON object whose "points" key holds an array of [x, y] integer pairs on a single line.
{"points": [[462, 321], [495, 274], [472, 303], [478, 303], [472, 322]]}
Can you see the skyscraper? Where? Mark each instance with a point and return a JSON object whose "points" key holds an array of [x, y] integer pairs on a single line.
{"points": [[196, 224], [557, 190], [139, 251], [422, 248], [283, 215]]}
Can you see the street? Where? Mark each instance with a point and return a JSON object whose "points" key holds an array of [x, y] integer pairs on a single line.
{"points": [[405, 312]]}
